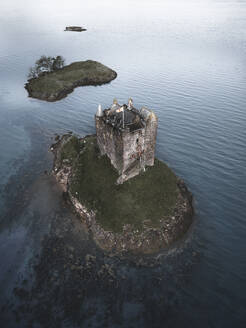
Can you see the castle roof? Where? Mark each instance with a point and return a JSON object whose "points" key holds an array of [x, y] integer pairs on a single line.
{"points": [[125, 117]]}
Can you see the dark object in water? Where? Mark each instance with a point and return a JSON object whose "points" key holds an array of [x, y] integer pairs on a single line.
{"points": [[75, 28]]}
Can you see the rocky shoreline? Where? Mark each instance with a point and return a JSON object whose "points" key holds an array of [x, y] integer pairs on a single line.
{"points": [[148, 240], [53, 86]]}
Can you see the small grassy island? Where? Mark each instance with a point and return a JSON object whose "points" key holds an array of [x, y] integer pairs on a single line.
{"points": [[55, 85], [146, 212]]}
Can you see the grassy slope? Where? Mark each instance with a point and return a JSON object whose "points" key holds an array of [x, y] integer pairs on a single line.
{"points": [[64, 78], [150, 196]]}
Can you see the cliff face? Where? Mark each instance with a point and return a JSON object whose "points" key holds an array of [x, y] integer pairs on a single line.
{"points": [[122, 221]]}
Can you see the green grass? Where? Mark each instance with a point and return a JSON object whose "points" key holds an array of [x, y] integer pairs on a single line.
{"points": [[71, 149], [56, 81], [150, 196]]}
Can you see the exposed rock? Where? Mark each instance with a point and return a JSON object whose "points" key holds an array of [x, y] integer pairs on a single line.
{"points": [[90, 258], [75, 28]]}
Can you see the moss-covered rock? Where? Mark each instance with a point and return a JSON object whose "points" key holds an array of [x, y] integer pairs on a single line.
{"points": [[145, 213], [56, 85]]}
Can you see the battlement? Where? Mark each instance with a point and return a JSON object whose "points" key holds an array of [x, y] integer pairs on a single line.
{"points": [[128, 137]]}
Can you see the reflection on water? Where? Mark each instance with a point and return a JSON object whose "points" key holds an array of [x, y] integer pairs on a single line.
{"points": [[186, 60]]}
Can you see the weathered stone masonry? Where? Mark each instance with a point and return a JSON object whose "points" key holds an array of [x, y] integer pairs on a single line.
{"points": [[128, 137]]}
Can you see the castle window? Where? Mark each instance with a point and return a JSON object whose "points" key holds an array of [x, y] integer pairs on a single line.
{"points": [[137, 141]]}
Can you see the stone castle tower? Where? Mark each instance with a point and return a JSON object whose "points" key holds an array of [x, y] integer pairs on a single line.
{"points": [[128, 137]]}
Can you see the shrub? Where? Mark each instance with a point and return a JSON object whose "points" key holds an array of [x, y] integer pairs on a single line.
{"points": [[46, 64]]}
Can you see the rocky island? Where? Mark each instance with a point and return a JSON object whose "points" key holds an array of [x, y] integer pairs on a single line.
{"points": [[55, 85], [75, 28], [129, 200]]}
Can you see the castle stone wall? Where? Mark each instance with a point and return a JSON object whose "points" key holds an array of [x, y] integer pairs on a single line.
{"points": [[150, 140], [129, 152], [133, 143], [110, 142]]}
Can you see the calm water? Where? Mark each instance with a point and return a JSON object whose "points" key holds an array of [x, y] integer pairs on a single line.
{"points": [[187, 62]]}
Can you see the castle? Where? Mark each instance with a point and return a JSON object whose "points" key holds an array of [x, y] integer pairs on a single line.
{"points": [[128, 137]]}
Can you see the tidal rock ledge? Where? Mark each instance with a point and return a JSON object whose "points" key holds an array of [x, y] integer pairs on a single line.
{"points": [[142, 216]]}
